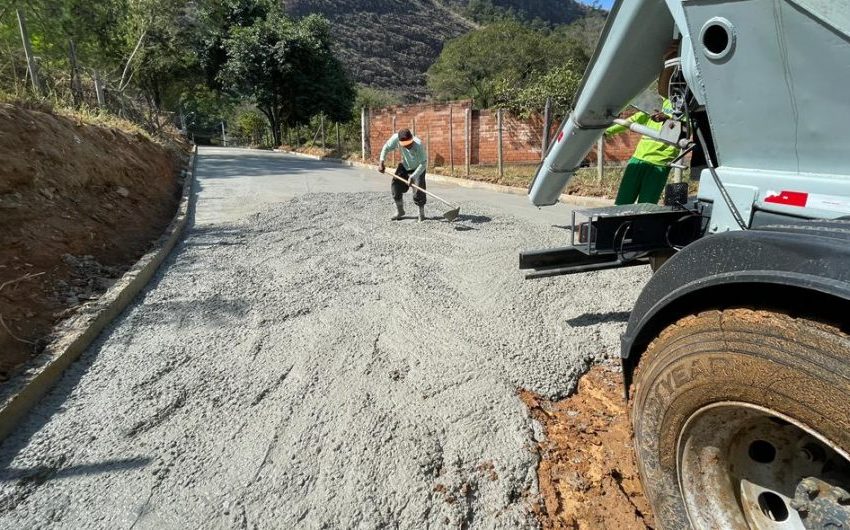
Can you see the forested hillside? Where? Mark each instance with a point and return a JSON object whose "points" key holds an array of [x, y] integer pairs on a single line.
{"points": [[390, 44], [546, 11], [199, 65]]}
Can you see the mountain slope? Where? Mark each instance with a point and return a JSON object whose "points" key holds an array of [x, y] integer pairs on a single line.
{"points": [[551, 11], [389, 44]]}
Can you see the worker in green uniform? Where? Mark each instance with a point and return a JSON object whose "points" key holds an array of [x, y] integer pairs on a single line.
{"points": [[647, 170]]}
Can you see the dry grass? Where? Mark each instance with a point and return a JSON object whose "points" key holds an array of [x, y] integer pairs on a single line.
{"points": [[311, 150], [84, 115], [586, 181]]}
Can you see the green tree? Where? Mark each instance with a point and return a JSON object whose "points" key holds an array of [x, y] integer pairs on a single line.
{"points": [[219, 18], [203, 109], [251, 126], [471, 65], [374, 98], [479, 64], [288, 69], [485, 12], [559, 83], [162, 62], [583, 34], [143, 50]]}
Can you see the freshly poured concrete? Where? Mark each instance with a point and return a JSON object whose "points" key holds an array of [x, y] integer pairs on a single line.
{"points": [[240, 182], [303, 362]]}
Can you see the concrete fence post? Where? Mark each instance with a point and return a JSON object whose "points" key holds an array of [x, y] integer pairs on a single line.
{"points": [[468, 137], [499, 147], [76, 85], [395, 151], [547, 125], [428, 147], [451, 142], [363, 134], [600, 158], [98, 89], [31, 64]]}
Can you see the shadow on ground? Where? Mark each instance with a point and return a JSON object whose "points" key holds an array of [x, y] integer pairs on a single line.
{"points": [[592, 319]]}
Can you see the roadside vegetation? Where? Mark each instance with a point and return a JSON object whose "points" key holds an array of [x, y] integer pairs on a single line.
{"points": [[586, 181], [190, 65], [511, 64], [261, 73]]}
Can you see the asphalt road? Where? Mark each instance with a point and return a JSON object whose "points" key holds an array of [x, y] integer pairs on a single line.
{"points": [[302, 362]]}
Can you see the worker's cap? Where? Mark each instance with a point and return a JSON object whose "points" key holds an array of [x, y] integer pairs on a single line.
{"points": [[405, 137]]}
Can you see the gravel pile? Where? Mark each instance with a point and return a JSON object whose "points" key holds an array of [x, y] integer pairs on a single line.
{"points": [[314, 366]]}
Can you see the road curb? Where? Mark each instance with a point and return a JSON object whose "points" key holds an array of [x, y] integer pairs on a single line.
{"points": [[573, 200], [77, 333]]}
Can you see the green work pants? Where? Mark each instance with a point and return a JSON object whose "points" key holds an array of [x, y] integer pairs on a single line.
{"points": [[642, 182]]}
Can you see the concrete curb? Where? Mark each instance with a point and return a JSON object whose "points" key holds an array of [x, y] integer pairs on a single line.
{"points": [[573, 200], [77, 333]]}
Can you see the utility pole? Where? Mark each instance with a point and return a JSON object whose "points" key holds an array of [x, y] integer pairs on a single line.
{"points": [[223, 135], [322, 120], [31, 65]]}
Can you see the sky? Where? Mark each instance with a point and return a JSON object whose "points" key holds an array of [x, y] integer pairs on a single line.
{"points": [[603, 3]]}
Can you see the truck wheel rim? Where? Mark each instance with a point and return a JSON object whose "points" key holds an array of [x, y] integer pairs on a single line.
{"points": [[744, 466]]}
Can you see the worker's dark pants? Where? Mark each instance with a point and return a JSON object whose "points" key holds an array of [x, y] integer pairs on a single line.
{"points": [[400, 188]]}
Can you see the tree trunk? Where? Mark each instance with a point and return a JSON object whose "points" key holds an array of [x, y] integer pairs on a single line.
{"points": [[272, 116]]}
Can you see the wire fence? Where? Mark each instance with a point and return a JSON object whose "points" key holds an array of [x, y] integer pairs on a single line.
{"points": [[59, 76], [485, 143]]}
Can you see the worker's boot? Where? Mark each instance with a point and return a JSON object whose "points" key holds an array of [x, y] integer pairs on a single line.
{"points": [[399, 206], [421, 213]]}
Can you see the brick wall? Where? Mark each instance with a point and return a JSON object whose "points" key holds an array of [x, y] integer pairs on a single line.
{"points": [[521, 138]]}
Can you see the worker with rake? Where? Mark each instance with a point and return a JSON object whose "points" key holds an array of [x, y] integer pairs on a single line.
{"points": [[411, 170]]}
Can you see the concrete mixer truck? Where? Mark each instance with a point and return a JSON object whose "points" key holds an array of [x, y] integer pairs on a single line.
{"points": [[736, 356]]}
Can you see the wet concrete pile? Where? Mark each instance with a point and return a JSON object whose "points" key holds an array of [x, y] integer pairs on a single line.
{"points": [[316, 365]]}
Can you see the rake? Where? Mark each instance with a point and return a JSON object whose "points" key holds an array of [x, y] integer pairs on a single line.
{"points": [[450, 215]]}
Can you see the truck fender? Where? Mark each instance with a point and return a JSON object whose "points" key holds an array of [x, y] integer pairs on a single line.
{"points": [[801, 268]]}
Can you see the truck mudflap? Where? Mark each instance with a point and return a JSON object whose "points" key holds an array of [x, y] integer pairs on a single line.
{"points": [[802, 268]]}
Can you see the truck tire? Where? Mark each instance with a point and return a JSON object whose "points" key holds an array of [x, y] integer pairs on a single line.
{"points": [[742, 420]]}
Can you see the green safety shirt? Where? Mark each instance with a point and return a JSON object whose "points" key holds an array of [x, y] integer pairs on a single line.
{"points": [[649, 150], [414, 159]]}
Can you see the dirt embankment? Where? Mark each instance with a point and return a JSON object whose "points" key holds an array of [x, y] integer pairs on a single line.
{"points": [[587, 473], [79, 203]]}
